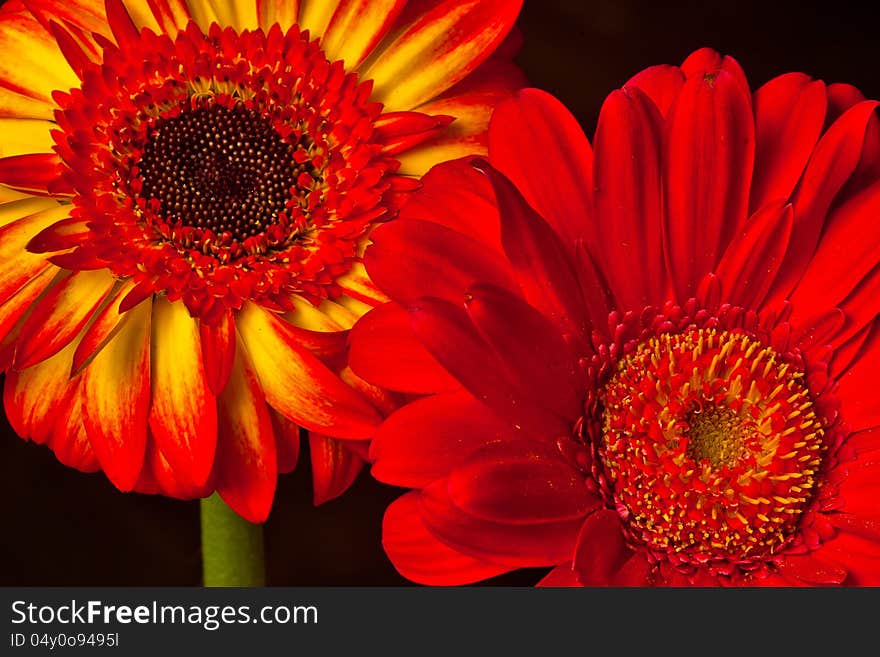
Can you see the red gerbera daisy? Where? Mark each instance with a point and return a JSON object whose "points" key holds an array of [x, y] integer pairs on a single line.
{"points": [[186, 188], [649, 362]]}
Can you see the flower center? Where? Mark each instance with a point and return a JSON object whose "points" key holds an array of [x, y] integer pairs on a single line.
{"points": [[220, 169], [711, 446], [223, 167]]}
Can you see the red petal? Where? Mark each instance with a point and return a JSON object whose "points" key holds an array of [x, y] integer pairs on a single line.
{"points": [[18, 266], [856, 385], [471, 210], [539, 256], [556, 181], [627, 193], [517, 546], [384, 351], [846, 254], [304, 389], [833, 161], [811, 569], [561, 576], [124, 30], [36, 397], [183, 415], [418, 555], [520, 483], [34, 172], [750, 264], [601, 551], [866, 527], [334, 467], [709, 159], [15, 308], [450, 336], [426, 439], [661, 84], [218, 351], [103, 327], [287, 439], [246, 470], [410, 259], [536, 357], [69, 440], [789, 115], [116, 392]]}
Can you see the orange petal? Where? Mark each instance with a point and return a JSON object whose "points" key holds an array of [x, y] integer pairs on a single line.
{"points": [[69, 440], [356, 27], [17, 266], [283, 12], [246, 468], [116, 393], [297, 383], [439, 49], [183, 415], [218, 351], [34, 397], [334, 467], [61, 314]]}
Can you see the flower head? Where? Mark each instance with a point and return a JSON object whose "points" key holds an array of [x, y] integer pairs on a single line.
{"points": [[187, 189], [645, 362]]}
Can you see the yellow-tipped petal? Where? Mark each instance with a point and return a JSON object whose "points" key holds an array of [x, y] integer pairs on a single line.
{"points": [[297, 383], [116, 399], [183, 415], [283, 12], [438, 50], [356, 27], [314, 15], [20, 136]]}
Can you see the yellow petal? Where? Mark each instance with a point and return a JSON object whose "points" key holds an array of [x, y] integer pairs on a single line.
{"points": [[356, 27], [20, 136], [283, 12], [314, 15]]}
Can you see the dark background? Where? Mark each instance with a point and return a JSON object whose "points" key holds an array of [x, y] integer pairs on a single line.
{"points": [[62, 527]]}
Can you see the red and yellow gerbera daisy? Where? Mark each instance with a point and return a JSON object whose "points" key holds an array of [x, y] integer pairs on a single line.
{"points": [[186, 188], [651, 361]]}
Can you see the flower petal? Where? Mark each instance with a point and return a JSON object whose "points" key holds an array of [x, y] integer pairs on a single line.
{"points": [[751, 261], [535, 356], [601, 550], [283, 12], [846, 254], [419, 556], [218, 351], [183, 414], [540, 258], [811, 568], [246, 471], [789, 115], [20, 136], [517, 546], [833, 161], [32, 172], [116, 394], [450, 336], [409, 259], [61, 314], [556, 182], [627, 193], [520, 483], [287, 441], [334, 467], [438, 50], [69, 440], [661, 84], [429, 437], [384, 351], [304, 389], [356, 27], [36, 397], [471, 211], [710, 138], [18, 266]]}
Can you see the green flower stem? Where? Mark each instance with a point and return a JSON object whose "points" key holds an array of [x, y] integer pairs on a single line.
{"points": [[232, 548]]}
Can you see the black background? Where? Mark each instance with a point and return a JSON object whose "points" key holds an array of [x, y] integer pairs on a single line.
{"points": [[61, 527]]}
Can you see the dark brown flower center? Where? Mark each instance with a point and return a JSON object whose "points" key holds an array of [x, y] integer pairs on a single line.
{"points": [[220, 169]]}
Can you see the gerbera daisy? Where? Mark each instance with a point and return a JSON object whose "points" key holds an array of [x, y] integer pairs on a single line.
{"points": [[649, 362], [186, 191]]}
